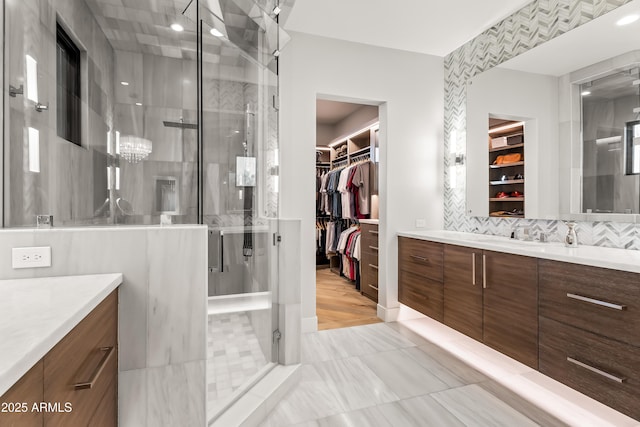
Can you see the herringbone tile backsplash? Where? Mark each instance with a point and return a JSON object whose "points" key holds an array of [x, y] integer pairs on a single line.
{"points": [[536, 23]]}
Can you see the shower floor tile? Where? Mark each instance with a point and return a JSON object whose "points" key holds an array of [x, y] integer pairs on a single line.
{"points": [[233, 357]]}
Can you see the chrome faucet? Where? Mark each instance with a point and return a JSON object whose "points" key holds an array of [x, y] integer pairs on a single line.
{"points": [[515, 233], [571, 239]]}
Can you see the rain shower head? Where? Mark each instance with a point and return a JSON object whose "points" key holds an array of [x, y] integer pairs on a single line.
{"points": [[180, 124]]}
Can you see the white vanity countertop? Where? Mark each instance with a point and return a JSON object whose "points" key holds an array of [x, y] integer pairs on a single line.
{"points": [[35, 314], [617, 259], [369, 221]]}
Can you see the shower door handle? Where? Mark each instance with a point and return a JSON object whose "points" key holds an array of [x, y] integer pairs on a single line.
{"points": [[218, 267], [221, 252]]}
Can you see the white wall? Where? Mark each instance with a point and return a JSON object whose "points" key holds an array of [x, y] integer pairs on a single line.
{"points": [[409, 88]]}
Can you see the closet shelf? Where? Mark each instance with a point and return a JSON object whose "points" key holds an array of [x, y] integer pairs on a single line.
{"points": [[360, 151], [507, 182], [506, 199], [506, 165], [506, 147], [497, 215]]}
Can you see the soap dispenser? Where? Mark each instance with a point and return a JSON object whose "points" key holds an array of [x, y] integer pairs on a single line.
{"points": [[571, 239]]}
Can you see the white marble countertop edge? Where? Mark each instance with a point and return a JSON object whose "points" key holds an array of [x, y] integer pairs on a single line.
{"points": [[596, 256]]}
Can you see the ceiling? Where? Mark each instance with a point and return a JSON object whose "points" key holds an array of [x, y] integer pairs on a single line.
{"points": [[425, 26], [144, 26], [331, 112]]}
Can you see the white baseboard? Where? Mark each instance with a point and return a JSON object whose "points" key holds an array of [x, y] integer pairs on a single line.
{"points": [[388, 314], [309, 324], [397, 313]]}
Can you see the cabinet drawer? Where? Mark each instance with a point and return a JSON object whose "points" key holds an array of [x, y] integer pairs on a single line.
{"points": [[599, 300], [369, 286], [88, 354], [368, 256], [604, 369], [420, 257], [421, 294], [369, 235], [370, 249], [369, 269]]}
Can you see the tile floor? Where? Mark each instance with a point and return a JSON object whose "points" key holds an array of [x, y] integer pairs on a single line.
{"points": [[389, 374], [233, 357]]}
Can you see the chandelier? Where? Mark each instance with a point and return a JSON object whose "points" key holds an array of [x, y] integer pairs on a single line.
{"points": [[134, 149]]}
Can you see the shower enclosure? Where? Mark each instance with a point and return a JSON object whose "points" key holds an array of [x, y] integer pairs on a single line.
{"points": [[146, 112]]}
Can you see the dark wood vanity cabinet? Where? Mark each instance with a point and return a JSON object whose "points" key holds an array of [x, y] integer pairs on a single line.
{"points": [[575, 323], [492, 297], [420, 272], [510, 301], [463, 290], [590, 331], [78, 376]]}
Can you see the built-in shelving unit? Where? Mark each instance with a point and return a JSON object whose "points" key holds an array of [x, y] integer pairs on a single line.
{"points": [[506, 180], [359, 145]]}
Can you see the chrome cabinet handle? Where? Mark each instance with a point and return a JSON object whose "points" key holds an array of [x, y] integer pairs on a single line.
{"points": [[473, 268], [108, 351], [374, 287], [597, 302], [596, 370], [484, 271], [373, 266], [373, 247], [419, 258]]}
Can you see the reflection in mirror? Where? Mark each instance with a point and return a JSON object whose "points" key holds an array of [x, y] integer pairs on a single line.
{"points": [[567, 176], [610, 156]]}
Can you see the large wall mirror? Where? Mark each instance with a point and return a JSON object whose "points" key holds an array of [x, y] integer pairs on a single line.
{"points": [[554, 133]]}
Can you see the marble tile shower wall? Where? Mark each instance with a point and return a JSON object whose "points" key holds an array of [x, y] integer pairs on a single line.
{"points": [[166, 89], [162, 310], [534, 24], [68, 174]]}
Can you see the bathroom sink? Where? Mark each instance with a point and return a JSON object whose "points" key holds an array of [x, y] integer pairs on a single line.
{"points": [[500, 240]]}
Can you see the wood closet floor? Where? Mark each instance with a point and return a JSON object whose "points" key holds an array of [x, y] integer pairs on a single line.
{"points": [[339, 305]]}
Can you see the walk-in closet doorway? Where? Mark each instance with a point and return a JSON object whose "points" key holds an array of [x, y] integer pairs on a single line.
{"points": [[347, 212]]}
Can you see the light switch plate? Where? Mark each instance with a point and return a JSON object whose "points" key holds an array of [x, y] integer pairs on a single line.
{"points": [[31, 257]]}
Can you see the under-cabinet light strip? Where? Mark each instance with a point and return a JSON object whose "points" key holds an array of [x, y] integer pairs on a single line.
{"points": [[344, 139], [506, 127]]}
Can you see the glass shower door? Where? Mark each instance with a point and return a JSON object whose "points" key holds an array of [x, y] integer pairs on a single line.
{"points": [[239, 180]]}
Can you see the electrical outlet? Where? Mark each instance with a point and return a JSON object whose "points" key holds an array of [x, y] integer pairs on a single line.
{"points": [[31, 257], [421, 223]]}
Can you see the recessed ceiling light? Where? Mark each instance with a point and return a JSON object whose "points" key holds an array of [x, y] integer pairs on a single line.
{"points": [[585, 93], [123, 83], [627, 20], [139, 104], [216, 33], [177, 27]]}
